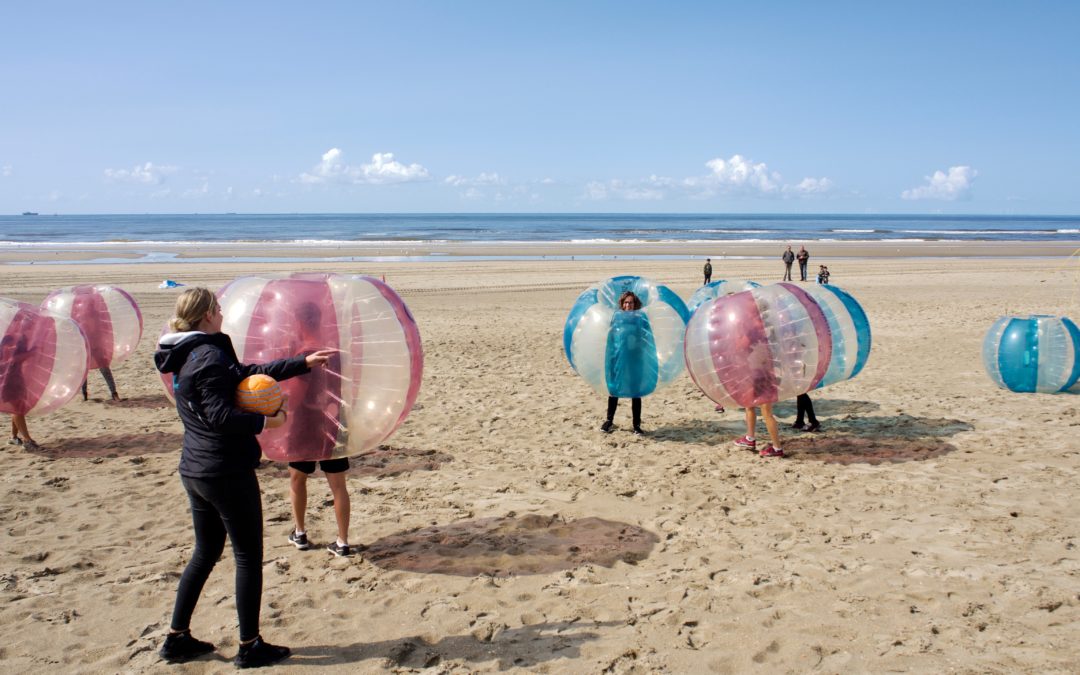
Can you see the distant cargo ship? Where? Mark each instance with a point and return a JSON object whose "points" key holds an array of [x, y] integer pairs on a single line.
{"points": [[29, 213]]}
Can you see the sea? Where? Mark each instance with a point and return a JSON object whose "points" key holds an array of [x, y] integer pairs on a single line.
{"points": [[144, 232]]}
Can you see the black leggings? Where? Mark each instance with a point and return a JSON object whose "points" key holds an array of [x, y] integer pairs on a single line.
{"points": [[107, 374], [804, 407], [227, 505], [635, 408]]}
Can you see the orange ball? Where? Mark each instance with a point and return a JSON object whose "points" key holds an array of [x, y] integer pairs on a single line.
{"points": [[259, 394]]}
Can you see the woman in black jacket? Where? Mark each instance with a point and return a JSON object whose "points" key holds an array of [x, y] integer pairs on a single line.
{"points": [[217, 468]]}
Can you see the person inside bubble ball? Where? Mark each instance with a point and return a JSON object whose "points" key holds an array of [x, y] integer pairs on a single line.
{"points": [[315, 427], [14, 353], [628, 302], [760, 363], [217, 469]]}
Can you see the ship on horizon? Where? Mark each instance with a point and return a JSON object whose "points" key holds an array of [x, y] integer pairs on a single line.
{"points": [[29, 213]]}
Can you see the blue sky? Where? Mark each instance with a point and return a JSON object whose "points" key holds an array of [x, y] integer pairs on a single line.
{"points": [[773, 107]]}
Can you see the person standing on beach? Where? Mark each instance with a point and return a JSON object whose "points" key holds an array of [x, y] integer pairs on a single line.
{"points": [[803, 257], [106, 374], [15, 352], [788, 258], [217, 469], [749, 441], [758, 362], [315, 427], [628, 302], [708, 271], [804, 408]]}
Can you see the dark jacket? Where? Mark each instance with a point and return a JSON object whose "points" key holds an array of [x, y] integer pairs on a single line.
{"points": [[789, 257], [219, 438]]}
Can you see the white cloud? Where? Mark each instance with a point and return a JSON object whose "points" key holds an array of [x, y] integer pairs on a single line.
{"points": [[483, 179], [6, 170], [147, 173], [810, 186], [382, 169], [951, 186], [739, 173], [737, 176], [618, 189]]}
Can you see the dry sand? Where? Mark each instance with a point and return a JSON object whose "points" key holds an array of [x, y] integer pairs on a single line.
{"points": [[932, 527]]}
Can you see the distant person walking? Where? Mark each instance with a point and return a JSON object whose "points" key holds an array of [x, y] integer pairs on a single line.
{"points": [[788, 258], [708, 271], [803, 257]]}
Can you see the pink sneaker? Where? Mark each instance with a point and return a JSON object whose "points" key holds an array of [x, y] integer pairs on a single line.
{"points": [[770, 451], [745, 442]]}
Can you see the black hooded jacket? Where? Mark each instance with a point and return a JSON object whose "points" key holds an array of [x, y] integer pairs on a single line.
{"points": [[219, 438]]}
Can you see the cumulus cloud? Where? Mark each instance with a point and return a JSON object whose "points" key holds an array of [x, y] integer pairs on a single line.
{"points": [[382, 169], [6, 170], [740, 173], [945, 186], [148, 173], [735, 176]]}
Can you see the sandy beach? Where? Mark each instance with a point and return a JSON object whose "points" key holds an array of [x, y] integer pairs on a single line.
{"points": [[932, 526]]}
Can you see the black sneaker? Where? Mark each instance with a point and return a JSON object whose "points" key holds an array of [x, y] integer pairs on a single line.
{"points": [[340, 550], [607, 427], [299, 540], [259, 653], [638, 431], [181, 647]]}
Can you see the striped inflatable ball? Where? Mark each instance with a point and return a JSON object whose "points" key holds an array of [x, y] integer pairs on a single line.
{"points": [[370, 384], [108, 316], [43, 359], [259, 394], [1037, 353], [849, 329], [716, 289], [775, 342], [627, 354]]}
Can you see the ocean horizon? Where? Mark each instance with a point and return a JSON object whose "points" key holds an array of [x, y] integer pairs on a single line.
{"points": [[66, 231]]}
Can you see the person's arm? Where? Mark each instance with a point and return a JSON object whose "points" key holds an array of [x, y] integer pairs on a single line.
{"points": [[217, 395], [283, 369]]}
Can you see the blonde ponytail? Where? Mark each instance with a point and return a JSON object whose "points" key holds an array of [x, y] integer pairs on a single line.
{"points": [[191, 307]]}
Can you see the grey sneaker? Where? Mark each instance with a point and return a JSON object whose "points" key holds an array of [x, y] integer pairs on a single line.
{"points": [[339, 550], [299, 540]]}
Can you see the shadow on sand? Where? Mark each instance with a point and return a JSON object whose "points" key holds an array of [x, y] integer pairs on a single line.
{"points": [[525, 647], [876, 440], [147, 402], [113, 445], [512, 545]]}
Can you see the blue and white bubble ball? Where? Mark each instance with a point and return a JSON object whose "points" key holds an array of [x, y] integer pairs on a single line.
{"points": [[626, 354], [1037, 353], [718, 289]]}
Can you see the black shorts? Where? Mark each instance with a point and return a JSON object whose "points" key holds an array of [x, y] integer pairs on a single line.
{"points": [[327, 465]]}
